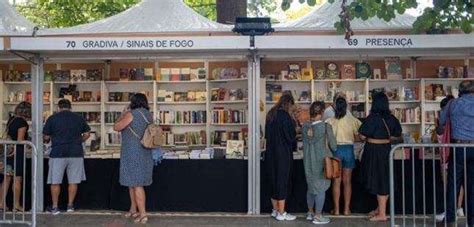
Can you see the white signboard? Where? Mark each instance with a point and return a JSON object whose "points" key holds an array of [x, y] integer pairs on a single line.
{"points": [[366, 42], [133, 43]]}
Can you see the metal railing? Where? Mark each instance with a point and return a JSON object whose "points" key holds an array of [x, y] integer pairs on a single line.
{"points": [[8, 167], [423, 211]]}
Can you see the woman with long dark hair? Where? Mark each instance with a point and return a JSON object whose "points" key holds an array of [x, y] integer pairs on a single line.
{"points": [[345, 127], [280, 134], [136, 162], [378, 130], [17, 130]]}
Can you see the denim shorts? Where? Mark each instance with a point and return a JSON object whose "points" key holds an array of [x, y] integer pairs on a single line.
{"points": [[346, 154]]}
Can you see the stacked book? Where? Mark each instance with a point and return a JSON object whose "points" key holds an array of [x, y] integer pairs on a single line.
{"points": [[224, 94], [181, 117], [181, 74], [223, 116]]}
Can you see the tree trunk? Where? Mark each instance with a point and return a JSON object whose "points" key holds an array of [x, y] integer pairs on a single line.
{"points": [[228, 10]]}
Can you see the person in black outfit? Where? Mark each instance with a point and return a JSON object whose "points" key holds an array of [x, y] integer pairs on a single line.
{"points": [[17, 130], [281, 142], [378, 130]]}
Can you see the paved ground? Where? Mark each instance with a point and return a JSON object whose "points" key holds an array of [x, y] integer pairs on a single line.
{"points": [[178, 220]]}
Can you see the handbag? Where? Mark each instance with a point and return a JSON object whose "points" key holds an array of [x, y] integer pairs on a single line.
{"points": [[332, 165], [153, 137]]}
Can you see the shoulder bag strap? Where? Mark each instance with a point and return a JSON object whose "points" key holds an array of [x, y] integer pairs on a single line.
{"points": [[326, 137], [388, 130], [133, 131], [5, 132]]}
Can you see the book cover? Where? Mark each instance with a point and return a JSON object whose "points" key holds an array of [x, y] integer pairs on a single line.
{"points": [[214, 94], [235, 149], [148, 74], [185, 74], [165, 74], [393, 68], [202, 73], [124, 74], [140, 74], [307, 74], [363, 70], [194, 74], [348, 72]]}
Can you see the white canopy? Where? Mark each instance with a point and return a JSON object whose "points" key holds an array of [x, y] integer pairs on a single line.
{"points": [[11, 22], [149, 16], [323, 18]]}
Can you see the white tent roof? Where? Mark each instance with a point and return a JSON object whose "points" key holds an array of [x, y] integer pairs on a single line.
{"points": [[11, 22], [323, 18], [149, 16]]}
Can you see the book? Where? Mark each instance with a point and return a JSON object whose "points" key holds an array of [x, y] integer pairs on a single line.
{"points": [[307, 74], [165, 74], [194, 74], [393, 68], [202, 73], [124, 74], [140, 74], [348, 72], [185, 74], [235, 149], [294, 72], [363, 70], [148, 72]]}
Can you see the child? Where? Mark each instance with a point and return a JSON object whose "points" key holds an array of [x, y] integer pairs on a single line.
{"points": [[318, 143]]}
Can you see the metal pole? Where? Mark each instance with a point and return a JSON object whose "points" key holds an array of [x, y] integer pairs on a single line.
{"points": [[250, 139], [37, 78], [256, 75]]}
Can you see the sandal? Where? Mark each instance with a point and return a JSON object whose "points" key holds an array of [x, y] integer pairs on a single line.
{"points": [[333, 212], [131, 215], [19, 209], [347, 213], [373, 213], [378, 219], [141, 220]]}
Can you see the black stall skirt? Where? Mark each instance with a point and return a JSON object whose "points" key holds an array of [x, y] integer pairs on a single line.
{"points": [[221, 186]]}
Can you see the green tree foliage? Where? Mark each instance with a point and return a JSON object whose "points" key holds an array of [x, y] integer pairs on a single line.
{"points": [[445, 14], [207, 8], [65, 13]]}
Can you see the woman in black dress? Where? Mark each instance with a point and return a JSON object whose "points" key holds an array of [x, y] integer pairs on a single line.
{"points": [[378, 130], [281, 140], [17, 130]]}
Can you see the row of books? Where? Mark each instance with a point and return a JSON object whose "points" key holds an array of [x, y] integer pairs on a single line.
{"points": [[136, 74], [224, 94], [185, 139], [189, 96], [124, 96], [228, 73], [351, 96], [222, 116], [439, 91], [181, 117], [90, 117], [111, 117], [181, 74], [399, 93], [220, 137], [114, 138], [74, 75], [275, 91], [407, 115], [15, 75]]}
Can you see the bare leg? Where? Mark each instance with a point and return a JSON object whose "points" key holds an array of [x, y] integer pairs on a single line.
{"points": [[72, 191], [281, 206], [382, 202], [133, 201], [274, 204], [460, 197], [336, 194], [17, 194], [140, 200], [347, 184], [4, 189], [55, 191]]}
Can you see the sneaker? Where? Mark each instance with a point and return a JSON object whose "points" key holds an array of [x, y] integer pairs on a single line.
{"points": [[54, 210], [460, 212], [285, 217], [70, 208], [440, 217], [274, 213], [321, 220], [310, 216]]}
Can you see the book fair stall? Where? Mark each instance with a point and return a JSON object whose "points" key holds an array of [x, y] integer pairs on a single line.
{"points": [[416, 72], [210, 91], [195, 75]]}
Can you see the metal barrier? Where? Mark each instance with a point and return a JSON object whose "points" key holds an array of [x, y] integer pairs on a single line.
{"points": [[420, 215], [8, 167]]}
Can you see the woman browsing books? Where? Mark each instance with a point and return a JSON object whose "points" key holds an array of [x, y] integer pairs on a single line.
{"points": [[345, 128], [318, 143], [281, 142]]}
